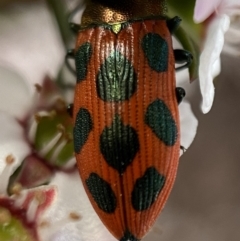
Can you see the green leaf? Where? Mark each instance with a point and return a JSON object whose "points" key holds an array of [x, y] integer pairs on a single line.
{"points": [[189, 45], [185, 11], [189, 33]]}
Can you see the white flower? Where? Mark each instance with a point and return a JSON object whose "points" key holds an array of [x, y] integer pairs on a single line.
{"points": [[13, 148], [221, 11], [72, 216], [68, 214], [209, 66]]}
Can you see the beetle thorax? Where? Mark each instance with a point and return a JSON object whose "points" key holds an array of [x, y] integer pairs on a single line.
{"points": [[112, 11]]}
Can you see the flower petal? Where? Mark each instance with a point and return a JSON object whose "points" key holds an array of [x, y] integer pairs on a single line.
{"points": [[21, 212], [230, 7], [33, 52], [189, 124], [210, 58], [72, 199], [204, 8], [12, 146], [188, 121], [15, 94]]}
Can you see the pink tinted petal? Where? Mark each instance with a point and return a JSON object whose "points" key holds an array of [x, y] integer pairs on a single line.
{"points": [[204, 8], [26, 207], [35, 201], [72, 199], [15, 93]]}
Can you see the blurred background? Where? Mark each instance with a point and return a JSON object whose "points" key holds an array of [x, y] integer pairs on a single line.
{"points": [[205, 201]]}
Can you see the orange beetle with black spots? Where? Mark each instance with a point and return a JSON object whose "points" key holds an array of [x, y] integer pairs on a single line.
{"points": [[126, 121]]}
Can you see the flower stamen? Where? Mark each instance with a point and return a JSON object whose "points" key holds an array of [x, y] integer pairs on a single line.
{"points": [[58, 150], [73, 216], [51, 144], [5, 216], [38, 199], [16, 189]]}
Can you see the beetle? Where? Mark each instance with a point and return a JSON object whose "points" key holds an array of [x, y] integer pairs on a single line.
{"points": [[126, 121]]}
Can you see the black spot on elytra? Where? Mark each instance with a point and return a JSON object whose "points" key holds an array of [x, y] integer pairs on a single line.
{"points": [[128, 237], [82, 59], [147, 189], [119, 144], [82, 128], [102, 193], [156, 51], [116, 79], [159, 118]]}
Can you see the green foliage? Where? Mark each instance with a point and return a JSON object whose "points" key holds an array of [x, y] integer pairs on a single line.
{"points": [[189, 33]]}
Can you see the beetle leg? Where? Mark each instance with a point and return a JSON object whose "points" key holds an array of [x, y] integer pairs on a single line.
{"points": [[70, 55], [73, 26], [173, 24], [70, 109], [183, 56], [183, 148], [180, 94]]}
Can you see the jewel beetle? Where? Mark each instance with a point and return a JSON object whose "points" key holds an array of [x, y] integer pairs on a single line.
{"points": [[126, 121]]}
